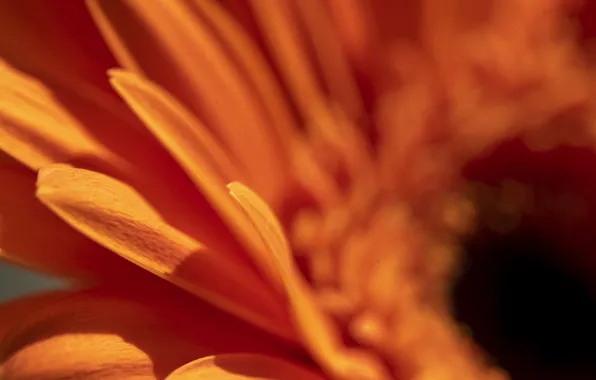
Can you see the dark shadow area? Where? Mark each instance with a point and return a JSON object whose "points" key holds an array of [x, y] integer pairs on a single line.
{"points": [[532, 315], [529, 296], [156, 326]]}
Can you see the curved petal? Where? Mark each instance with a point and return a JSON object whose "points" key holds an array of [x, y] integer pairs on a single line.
{"points": [[42, 125], [316, 328], [32, 236], [356, 27], [253, 61], [279, 25], [184, 135], [114, 215], [180, 43], [196, 151], [331, 56], [243, 367], [37, 130], [122, 333]]}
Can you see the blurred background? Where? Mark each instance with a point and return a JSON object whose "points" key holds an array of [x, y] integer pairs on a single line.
{"points": [[16, 282]]}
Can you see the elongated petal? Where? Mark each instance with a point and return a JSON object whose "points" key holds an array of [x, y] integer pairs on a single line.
{"points": [[242, 366], [37, 130], [331, 56], [194, 148], [280, 27], [179, 44], [121, 333], [32, 236], [356, 27], [316, 328], [114, 215], [186, 137], [42, 124], [255, 65]]}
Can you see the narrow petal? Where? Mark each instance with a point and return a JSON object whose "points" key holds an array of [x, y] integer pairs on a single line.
{"points": [[122, 333], [32, 236], [185, 136], [280, 27], [253, 62], [180, 43], [189, 142], [47, 123], [331, 56], [37, 130], [243, 366], [317, 330], [114, 215], [354, 22]]}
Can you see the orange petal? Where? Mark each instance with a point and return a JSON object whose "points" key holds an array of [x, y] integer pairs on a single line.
{"points": [[318, 332], [114, 215], [37, 130], [42, 124], [194, 148], [253, 62], [179, 44], [355, 25], [243, 366], [32, 236], [185, 136], [280, 28], [331, 56], [120, 333]]}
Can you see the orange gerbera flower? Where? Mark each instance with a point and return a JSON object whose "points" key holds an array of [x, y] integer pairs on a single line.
{"points": [[298, 172]]}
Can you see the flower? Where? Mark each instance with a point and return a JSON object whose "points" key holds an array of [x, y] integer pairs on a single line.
{"points": [[293, 170]]}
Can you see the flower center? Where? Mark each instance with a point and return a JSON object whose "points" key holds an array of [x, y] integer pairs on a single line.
{"points": [[495, 272], [526, 290], [384, 271]]}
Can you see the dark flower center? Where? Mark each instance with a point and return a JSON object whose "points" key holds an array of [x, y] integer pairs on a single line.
{"points": [[526, 303], [526, 310]]}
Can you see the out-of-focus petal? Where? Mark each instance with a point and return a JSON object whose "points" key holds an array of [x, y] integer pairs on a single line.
{"points": [[179, 44], [243, 367], [331, 56], [317, 330], [355, 25], [253, 62], [192, 145], [32, 236], [114, 215], [280, 28], [121, 333]]}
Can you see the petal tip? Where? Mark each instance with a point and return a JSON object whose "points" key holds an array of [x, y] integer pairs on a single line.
{"points": [[117, 72], [48, 175], [236, 187], [44, 174], [118, 76]]}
